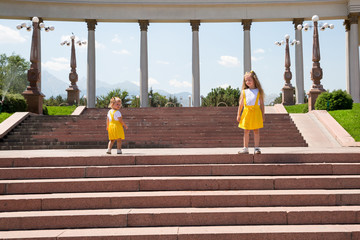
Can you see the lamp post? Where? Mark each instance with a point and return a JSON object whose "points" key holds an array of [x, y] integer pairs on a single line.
{"points": [[288, 89], [32, 94], [73, 92], [316, 71]]}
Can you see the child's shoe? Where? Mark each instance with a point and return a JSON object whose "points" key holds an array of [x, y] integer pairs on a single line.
{"points": [[245, 150], [108, 151], [257, 150], [119, 151]]}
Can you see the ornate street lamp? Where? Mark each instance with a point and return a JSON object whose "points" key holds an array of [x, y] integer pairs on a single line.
{"points": [[32, 94], [288, 89], [73, 96], [316, 71]]}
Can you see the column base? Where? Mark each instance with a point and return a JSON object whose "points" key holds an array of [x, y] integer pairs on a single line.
{"points": [[313, 95], [34, 100], [288, 95], [73, 96]]}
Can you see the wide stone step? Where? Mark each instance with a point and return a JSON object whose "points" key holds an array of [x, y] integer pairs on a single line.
{"points": [[203, 183], [179, 159], [179, 199], [165, 143], [161, 217], [179, 170], [293, 232]]}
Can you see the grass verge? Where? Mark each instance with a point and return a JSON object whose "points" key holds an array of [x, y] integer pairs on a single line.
{"points": [[4, 116], [299, 108], [349, 120], [60, 110]]}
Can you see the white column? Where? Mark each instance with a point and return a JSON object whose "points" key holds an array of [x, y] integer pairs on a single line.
{"points": [[299, 63], [39, 50], [91, 77], [144, 98], [354, 58], [195, 63], [347, 55], [247, 44]]}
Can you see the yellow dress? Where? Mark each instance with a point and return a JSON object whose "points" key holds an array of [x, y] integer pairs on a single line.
{"points": [[251, 117], [115, 128]]}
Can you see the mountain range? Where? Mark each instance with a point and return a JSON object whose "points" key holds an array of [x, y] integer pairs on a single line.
{"points": [[52, 86]]}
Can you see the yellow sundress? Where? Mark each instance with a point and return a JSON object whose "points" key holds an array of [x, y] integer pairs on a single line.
{"points": [[115, 128], [251, 117]]}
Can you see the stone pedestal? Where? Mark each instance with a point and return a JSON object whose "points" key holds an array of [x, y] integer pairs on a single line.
{"points": [[34, 100], [288, 95], [313, 95], [73, 95]]}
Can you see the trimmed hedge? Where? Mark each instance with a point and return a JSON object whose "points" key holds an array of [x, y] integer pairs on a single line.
{"points": [[335, 100], [14, 103]]}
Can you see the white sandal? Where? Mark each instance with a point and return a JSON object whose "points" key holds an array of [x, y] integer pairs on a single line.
{"points": [[257, 150], [245, 150]]}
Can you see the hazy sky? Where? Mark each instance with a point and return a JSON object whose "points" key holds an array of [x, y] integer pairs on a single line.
{"points": [[169, 52]]}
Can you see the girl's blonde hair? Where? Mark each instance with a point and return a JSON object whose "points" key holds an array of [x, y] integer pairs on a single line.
{"points": [[114, 100], [256, 80]]}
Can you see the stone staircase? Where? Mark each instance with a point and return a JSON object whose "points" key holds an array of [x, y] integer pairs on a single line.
{"points": [[150, 128], [182, 197]]}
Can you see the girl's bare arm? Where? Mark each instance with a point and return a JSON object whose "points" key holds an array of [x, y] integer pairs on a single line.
{"points": [[262, 107], [123, 123], [241, 105]]}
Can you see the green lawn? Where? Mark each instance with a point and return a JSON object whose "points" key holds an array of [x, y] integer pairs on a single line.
{"points": [[60, 110], [348, 119], [296, 108], [53, 110], [4, 116]]}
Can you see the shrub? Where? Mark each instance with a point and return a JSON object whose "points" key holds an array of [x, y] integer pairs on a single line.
{"points": [[45, 110], [335, 100], [14, 103]]}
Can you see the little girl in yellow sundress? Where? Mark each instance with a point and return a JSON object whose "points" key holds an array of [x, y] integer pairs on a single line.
{"points": [[253, 114], [114, 125]]}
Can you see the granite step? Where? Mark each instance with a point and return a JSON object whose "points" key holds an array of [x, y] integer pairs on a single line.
{"points": [[179, 199], [162, 217], [261, 232], [179, 170]]}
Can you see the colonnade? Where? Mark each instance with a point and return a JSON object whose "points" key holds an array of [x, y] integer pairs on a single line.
{"points": [[352, 60]]}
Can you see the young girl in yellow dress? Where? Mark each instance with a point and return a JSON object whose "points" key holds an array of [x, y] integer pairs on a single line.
{"points": [[253, 115], [114, 125]]}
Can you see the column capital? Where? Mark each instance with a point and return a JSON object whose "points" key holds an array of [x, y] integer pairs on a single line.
{"points": [[144, 25], [91, 23], [298, 21], [247, 24], [347, 25], [353, 18], [195, 25]]}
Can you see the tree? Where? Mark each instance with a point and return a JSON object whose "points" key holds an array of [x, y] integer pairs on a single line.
{"points": [[174, 101], [13, 73], [156, 99], [135, 101], [221, 97], [103, 101]]}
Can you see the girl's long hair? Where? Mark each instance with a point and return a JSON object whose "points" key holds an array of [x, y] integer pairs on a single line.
{"points": [[114, 100], [256, 80]]}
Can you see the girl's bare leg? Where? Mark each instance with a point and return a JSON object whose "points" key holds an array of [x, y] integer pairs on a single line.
{"points": [[257, 137], [111, 143], [246, 138], [118, 142]]}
